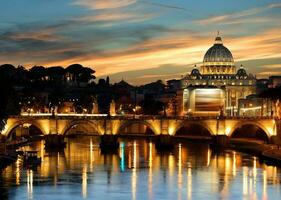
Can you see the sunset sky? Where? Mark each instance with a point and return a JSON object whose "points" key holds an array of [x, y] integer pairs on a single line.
{"points": [[140, 40]]}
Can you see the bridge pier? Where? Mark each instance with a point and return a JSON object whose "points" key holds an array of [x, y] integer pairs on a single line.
{"points": [[109, 143], [54, 141], [164, 142], [277, 139], [221, 140]]}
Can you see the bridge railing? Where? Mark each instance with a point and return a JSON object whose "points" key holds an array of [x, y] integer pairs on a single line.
{"points": [[130, 116]]}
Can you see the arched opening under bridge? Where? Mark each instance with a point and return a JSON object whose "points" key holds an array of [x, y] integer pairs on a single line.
{"points": [[136, 128], [193, 130], [250, 132], [24, 131], [81, 128]]}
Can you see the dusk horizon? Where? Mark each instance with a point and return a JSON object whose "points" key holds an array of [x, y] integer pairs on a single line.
{"points": [[140, 41]]}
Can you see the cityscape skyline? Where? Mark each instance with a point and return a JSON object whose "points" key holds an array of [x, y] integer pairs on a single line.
{"points": [[140, 99], [129, 40]]}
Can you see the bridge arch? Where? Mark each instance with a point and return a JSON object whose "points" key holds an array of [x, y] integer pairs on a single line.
{"points": [[144, 126], [29, 123], [250, 129], [85, 126], [186, 127]]}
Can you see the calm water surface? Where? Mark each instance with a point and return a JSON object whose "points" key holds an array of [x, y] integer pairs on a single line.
{"points": [[138, 171]]}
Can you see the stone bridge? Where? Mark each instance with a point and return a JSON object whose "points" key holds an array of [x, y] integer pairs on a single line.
{"points": [[116, 125]]}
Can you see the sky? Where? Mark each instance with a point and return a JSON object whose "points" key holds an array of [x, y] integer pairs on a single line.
{"points": [[140, 41]]}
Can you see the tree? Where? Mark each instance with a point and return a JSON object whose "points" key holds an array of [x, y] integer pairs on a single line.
{"points": [[79, 74], [86, 75], [151, 107], [37, 73], [8, 103], [56, 74], [74, 70], [7, 71], [21, 75]]}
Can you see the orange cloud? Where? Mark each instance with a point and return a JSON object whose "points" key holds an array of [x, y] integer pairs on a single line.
{"points": [[104, 4], [268, 73], [273, 66], [176, 47], [180, 50], [47, 34], [117, 17]]}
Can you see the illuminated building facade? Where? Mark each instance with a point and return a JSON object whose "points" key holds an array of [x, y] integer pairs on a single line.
{"points": [[218, 70]]}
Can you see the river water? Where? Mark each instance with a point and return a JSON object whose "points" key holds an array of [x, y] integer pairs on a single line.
{"points": [[138, 171]]}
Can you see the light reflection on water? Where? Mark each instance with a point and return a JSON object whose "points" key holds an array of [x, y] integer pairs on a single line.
{"points": [[138, 171]]}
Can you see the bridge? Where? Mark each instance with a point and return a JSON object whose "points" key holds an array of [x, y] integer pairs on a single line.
{"points": [[265, 128]]}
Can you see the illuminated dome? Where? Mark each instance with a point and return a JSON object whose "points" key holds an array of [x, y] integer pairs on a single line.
{"points": [[218, 53], [218, 59]]}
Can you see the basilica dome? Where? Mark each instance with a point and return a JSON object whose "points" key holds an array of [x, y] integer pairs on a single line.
{"points": [[218, 59], [218, 53]]}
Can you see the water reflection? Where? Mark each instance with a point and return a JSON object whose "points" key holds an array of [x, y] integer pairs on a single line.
{"points": [[138, 171], [30, 184]]}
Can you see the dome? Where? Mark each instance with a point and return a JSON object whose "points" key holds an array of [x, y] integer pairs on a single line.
{"points": [[218, 59], [195, 72], [218, 54], [241, 73]]}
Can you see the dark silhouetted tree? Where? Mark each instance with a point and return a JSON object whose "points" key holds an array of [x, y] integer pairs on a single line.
{"points": [[55, 74], [8, 100], [37, 73], [151, 107]]}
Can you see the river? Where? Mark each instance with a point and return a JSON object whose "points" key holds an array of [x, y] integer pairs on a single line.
{"points": [[138, 171]]}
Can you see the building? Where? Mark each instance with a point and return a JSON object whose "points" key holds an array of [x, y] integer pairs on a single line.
{"points": [[254, 105], [217, 76], [274, 82]]}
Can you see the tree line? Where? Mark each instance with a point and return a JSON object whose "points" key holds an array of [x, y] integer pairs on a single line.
{"points": [[19, 75], [36, 78]]}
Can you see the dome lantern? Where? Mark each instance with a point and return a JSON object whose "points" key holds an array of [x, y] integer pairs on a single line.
{"points": [[218, 39]]}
